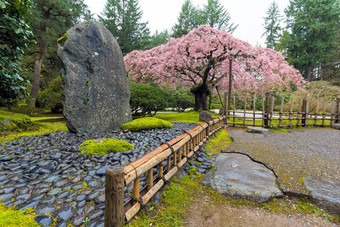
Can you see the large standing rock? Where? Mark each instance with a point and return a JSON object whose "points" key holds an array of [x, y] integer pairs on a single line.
{"points": [[96, 92], [238, 177]]}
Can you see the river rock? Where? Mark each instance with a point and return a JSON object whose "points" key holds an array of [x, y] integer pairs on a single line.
{"points": [[237, 176], [257, 129], [205, 116], [96, 91], [324, 192]]}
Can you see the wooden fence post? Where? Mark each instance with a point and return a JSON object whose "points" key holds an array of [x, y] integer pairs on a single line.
{"points": [[266, 111], [114, 197], [337, 110], [304, 113]]}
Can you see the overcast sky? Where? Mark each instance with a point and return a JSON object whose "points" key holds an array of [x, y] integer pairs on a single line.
{"points": [[162, 14]]}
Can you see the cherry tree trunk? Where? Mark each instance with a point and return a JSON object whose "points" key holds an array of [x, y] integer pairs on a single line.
{"points": [[201, 93]]}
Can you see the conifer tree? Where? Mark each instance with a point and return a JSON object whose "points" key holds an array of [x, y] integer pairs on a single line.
{"points": [[272, 25]]}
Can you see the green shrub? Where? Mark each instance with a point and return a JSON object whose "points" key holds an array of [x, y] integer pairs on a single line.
{"points": [[183, 100], [14, 217], [146, 123], [14, 121], [104, 146], [51, 97], [146, 99]]}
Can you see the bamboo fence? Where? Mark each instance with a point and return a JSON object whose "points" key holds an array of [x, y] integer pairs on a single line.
{"points": [[165, 160], [268, 118]]}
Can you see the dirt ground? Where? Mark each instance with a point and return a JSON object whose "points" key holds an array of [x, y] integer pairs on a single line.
{"points": [[207, 213]]}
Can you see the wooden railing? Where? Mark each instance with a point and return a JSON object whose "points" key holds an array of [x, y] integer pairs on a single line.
{"points": [[164, 161], [298, 113]]}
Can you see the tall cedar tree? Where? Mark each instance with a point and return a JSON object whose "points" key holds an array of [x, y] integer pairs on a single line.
{"points": [[312, 25], [122, 18], [272, 25], [213, 14], [188, 19], [15, 35], [216, 16], [49, 20]]}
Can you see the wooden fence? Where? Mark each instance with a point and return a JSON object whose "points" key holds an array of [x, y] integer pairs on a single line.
{"points": [[298, 113], [164, 160]]}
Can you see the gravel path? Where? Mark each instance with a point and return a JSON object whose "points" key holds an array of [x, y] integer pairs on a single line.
{"points": [[294, 155], [47, 172]]}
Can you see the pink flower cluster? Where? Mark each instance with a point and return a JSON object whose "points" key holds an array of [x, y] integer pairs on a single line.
{"points": [[203, 55]]}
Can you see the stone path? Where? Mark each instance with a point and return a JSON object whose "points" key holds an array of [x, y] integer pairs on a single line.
{"points": [[47, 172], [238, 177], [305, 161]]}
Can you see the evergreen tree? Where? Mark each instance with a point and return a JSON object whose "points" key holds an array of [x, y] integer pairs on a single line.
{"points": [[15, 35], [272, 25], [49, 20], [122, 18], [188, 19], [213, 14], [157, 39], [312, 25], [216, 16]]}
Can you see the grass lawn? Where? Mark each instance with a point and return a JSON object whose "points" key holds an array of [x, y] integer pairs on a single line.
{"points": [[190, 117]]}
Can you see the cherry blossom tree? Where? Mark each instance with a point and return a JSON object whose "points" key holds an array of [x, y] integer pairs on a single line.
{"points": [[201, 59]]}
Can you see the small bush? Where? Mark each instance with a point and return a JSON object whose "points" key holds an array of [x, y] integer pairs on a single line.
{"points": [[51, 97], [14, 217], [184, 100], [146, 123], [147, 99], [14, 121], [104, 146]]}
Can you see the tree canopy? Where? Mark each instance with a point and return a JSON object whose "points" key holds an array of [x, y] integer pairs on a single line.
{"points": [[272, 25], [312, 27], [15, 35], [212, 14], [123, 19], [201, 60]]}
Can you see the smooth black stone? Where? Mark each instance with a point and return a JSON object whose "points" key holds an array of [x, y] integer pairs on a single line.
{"points": [[5, 158], [8, 190], [78, 220], [63, 195], [51, 178], [93, 196], [80, 198], [96, 214], [38, 197], [80, 210], [44, 220], [44, 209], [81, 203], [24, 197], [100, 199], [31, 204], [93, 184], [65, 213], [78, 186], [5, 197], [101, 171]]}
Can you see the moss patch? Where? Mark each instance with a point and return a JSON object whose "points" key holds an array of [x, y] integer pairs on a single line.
{"points": [[62, 39], [146, 123], [219, 142], [14, 122], [104, 146], [13, 217]]}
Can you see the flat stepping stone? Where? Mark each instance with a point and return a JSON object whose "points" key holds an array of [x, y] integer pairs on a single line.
{"points": [[336, 126], [257, 130], [237, 176], [324, 192]]}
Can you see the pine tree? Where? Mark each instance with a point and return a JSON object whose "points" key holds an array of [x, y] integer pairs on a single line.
{"points": [[123, 19], [272, 25], [188, 19], [312, 25], [216, 16], [49, 20]]}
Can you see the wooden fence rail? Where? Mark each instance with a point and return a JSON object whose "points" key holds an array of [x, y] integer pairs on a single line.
{"points": [[299, 113], [164, 160]]}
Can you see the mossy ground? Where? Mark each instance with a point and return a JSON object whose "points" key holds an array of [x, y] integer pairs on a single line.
{"points": [[180, 197], [190, 117], [218, 142], [13, 217], [146, 123], [43, 121], [104, 146]]}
